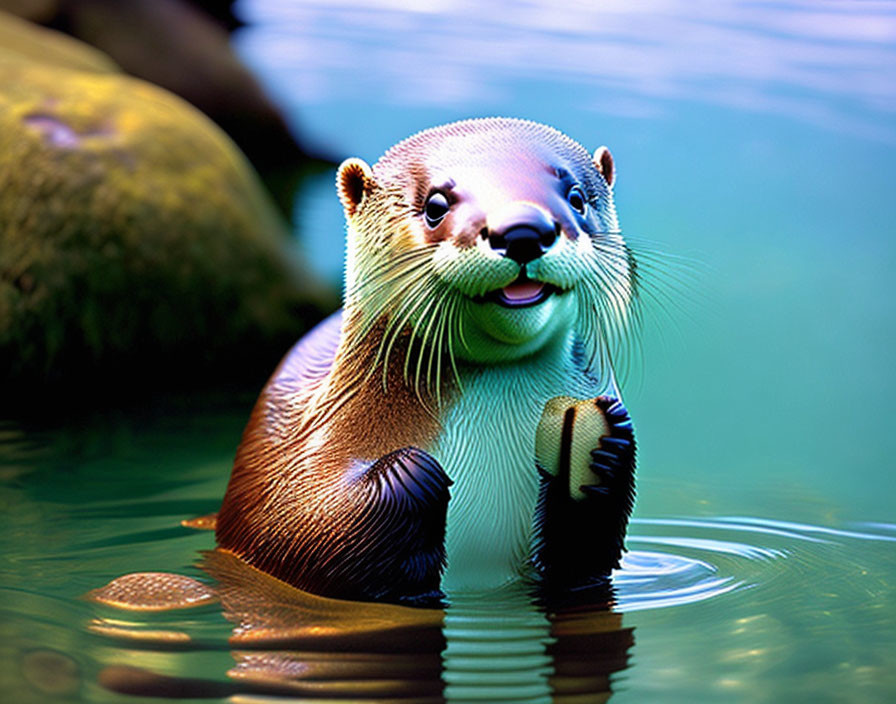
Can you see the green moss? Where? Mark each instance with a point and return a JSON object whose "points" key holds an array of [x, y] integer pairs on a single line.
{"points": [[132, 231]]}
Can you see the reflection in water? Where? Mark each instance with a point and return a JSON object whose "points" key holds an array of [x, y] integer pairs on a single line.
{"points": [[495, 646], [499, 645], [502, 647]]}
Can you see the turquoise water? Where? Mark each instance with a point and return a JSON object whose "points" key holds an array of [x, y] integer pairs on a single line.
{"points": [[756, 150]]}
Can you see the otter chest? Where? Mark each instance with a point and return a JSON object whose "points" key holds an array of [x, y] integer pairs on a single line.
{"points": [[487, 447]]}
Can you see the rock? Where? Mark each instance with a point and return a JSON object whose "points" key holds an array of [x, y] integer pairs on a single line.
{"points": [[184, 47], [136, 244]]}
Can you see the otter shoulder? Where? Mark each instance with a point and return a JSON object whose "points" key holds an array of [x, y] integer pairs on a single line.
{"points": [[310, 359]]}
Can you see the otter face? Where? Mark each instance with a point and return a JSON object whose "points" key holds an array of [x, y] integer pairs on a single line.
{"points": [[506, 227]]}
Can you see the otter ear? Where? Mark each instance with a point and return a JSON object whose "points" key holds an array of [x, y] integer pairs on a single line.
{"points": [[354, 180], [603, 160]]}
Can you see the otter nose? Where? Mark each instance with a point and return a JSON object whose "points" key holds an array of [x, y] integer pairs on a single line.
{"points": [[523, 234]]}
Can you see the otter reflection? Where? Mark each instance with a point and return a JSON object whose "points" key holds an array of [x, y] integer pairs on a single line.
{"points": [[288, 643]]}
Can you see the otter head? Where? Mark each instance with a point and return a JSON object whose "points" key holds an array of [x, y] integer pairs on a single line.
{"points": [[489, 239]]}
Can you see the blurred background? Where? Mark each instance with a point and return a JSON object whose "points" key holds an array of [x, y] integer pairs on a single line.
{"points": [[755, 146], [755, 139]]}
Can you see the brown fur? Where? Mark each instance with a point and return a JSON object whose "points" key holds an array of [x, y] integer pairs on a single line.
{"points": [[321, 494], [285, 504]]}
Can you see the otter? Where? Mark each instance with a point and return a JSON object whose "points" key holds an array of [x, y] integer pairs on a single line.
{"points": [[457, 425]]}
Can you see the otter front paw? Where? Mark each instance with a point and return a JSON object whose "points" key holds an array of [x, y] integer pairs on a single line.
{"points": [[399, 529], [585, 455]]}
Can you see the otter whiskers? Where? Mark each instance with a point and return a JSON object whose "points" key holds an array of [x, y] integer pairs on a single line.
{"points": [[608, 307], [410, 301]]}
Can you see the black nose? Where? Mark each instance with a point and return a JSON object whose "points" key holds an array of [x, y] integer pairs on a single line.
{"points": [[524, 238]]}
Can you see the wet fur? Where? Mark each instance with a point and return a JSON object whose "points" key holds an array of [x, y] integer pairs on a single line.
{"points": [[333, 488]]}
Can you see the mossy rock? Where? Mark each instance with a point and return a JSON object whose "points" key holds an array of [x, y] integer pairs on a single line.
{"points": [[184, 47], [135, 241]]}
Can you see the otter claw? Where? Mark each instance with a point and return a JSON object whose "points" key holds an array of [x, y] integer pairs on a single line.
{"points": [[616, 410], [617, 443], [605, 474], [602, 456]]}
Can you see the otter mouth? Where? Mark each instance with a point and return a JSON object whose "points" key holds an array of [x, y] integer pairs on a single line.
{"points": [[522, 293]]}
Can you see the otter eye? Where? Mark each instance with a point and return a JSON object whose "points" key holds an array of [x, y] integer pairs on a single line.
{"points": [[436, 209], [577, 199]]}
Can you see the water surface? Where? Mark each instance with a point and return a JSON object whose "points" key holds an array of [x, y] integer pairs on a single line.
{"points": [[756, 139]]}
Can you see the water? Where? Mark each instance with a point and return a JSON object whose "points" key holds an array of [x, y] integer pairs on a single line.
{"points": [[755, 139]]}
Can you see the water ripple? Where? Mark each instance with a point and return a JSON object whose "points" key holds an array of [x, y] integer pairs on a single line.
{"points": [[697, 559], [811, 529]]}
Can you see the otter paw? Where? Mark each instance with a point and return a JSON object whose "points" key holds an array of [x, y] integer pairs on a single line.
{"points": [[612, 462], [585, 456], [399, 531], [583, 443]]}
